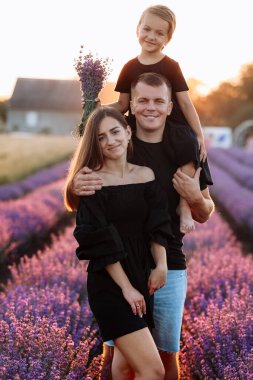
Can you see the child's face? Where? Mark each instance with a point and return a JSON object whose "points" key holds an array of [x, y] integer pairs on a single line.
{"points": [[153, 33], [113, 138]]}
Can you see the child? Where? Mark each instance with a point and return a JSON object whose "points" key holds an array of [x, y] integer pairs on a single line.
{"points": [[154, 31], [117, 229]]}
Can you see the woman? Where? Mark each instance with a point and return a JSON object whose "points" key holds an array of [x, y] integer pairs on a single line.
{"points": [[119, 229]]}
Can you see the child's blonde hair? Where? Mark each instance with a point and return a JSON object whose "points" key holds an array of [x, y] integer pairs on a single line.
{"points": [[164, 13]]}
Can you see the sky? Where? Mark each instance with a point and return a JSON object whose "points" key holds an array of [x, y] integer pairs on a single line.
{"points": [[41, 38]]}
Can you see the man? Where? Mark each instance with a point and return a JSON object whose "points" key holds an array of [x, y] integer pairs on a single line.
{"points": [[153, 147]]}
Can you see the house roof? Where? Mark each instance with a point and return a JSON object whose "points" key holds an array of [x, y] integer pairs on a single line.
{"points": [[46, 94]]}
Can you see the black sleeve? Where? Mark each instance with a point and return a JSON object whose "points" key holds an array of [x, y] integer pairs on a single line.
{"points": [[158, 225], [123, 84], [177, 79], [183, 141], [98, 240]]}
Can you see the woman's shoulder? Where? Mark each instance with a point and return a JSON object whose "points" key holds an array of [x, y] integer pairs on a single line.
{"points": [[144, 173]]}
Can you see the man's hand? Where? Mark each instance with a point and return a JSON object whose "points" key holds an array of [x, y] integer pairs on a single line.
{"points": [[200, 202], [187, 186], [86, 182]]}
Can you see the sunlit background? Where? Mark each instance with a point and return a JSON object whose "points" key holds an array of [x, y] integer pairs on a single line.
{"points": [[41, 38], [46, 326]]}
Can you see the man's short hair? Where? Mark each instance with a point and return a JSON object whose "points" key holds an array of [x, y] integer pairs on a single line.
{"points": [[151, 79]]}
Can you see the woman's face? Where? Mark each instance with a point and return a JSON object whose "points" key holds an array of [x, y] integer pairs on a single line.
{"points": [[113, 138]]}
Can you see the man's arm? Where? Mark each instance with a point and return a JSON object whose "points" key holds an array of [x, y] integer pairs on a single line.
{"points": [[86, 182], [200, 202]]}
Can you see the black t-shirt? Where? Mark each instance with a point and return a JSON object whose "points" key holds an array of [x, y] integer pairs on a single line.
{"points": [[167, 67], [164, 158], [179, 132], [160, 159]]}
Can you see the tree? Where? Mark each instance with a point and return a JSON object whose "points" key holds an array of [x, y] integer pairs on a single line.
{"points": [[229, 104], [246, 82], [3, 110]]}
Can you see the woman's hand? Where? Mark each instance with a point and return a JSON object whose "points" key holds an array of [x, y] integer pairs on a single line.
{"points": [[97, 103], [157, 279], [86, 182], [135, 300]]}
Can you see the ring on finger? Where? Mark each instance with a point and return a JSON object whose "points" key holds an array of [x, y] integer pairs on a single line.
{"points": [[137, 305], [84, 188]]}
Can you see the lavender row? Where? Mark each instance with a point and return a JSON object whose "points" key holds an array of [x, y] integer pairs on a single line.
{"points": [[43, 177], [30, 216], [217, 327], [240, 154], [46, 327], [47, 330], [239, 171], [236, 200]]}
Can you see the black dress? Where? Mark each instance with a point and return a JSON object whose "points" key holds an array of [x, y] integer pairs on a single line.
{"points": [[117, 224]]}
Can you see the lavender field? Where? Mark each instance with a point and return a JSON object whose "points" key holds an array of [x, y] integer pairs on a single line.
{"points": [[47, 331], [232, 171]]}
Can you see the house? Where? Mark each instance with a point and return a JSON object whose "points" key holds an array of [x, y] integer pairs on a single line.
{"points": [[48, 105], [218, 136]]}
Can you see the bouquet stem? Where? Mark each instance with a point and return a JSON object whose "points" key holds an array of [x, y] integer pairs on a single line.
{"points": [[89, 106]]}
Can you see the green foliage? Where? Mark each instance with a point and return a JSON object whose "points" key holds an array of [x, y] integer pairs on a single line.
{"points": [[3, 110]]}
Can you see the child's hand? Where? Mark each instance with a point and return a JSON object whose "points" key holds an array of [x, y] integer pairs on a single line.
{"points": [[202, 148], [157, 279]]}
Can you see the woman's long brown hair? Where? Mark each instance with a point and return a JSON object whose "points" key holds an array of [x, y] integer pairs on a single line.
{"points": [[88, 152]]}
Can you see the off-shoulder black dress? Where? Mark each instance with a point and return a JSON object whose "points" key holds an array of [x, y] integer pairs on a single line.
{"points": [[117, 224]]}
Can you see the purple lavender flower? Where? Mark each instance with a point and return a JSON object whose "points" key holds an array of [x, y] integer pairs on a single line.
{"points": [[93, 72], [42, 177]]}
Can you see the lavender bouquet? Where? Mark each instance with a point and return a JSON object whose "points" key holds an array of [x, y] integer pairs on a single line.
{"points": [[93, 72]]}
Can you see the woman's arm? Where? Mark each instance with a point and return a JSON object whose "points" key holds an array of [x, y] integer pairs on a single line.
{"points": [[158, 276], [131, 295], [100, 242]]}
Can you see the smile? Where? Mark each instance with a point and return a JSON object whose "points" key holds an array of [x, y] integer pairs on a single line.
{"points": [[150, 43], [151, 117], [113, 147]]}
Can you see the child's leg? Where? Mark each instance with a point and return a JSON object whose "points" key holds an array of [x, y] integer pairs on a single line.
{"points": [[186, 222], [140, 352]]}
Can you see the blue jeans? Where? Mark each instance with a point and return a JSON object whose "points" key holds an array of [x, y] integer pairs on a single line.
{"points": [[168, 312]]}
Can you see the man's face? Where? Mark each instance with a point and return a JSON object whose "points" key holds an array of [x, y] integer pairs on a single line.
{"points": [[151, 106]]}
